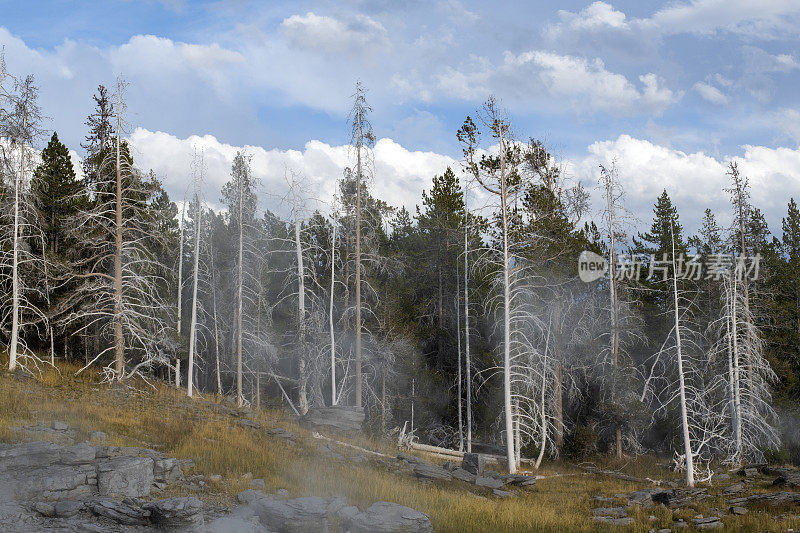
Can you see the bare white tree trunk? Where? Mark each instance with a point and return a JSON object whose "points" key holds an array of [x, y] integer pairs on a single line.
{"points": [[13, 348], [193, 327], [736, 372], [180, 294], [301, 313], [358, 259], [119, 342], [240, 283], [330, 315], [458, 335], [687, 444], [506, 314], [466, 340], [214, 311]]}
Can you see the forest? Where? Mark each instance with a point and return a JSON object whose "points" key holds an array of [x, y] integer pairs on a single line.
{"points": [[466, 324]]}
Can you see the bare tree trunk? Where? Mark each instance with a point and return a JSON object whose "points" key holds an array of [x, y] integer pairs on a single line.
{"points": [[193, 326], [687, 445], [119, 346], [301, 316], [214, 311], [180, 295], [542, 402], [458, 335], [466, 343], [240, 282], [12, 352], [507, 315], [330, 315], [358, 263]]}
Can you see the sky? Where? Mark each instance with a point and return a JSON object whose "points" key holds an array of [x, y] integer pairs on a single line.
{"points": [[670, 91]]}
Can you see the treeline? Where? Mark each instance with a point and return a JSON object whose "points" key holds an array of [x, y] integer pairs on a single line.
{"points": [[466, 320]]}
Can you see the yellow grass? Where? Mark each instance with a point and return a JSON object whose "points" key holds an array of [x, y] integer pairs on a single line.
{"points": [[164, 419]]}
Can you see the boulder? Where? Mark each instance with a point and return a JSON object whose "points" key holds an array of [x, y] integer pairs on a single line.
{"points": [[68, 508], [125, 477], [427, 471], [78, 454], [123, 512], [36, 454], [387, 517], [711, 522], [292, 516], [502, 493], [474, 463], [167, 470], [58, 482], [463, 475], [185, 514], [346, 420], [489, 482]]}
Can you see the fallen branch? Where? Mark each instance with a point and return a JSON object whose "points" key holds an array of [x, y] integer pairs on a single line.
{"points": [[340, 443]]}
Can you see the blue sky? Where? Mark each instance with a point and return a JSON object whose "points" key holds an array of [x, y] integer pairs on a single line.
{"points": [[672, 91]]}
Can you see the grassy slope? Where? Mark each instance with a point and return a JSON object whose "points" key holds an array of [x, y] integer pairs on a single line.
{"points": [[164, 419]]}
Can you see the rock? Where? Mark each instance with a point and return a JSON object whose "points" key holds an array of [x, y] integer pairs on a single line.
{"points": [[185, 514], [121, 512], [167, 470], [59, 426], [502, 493], [527, 482], [98, 436], [67, 509], [78, 454], [185, 464], [427, 471], [463, 475], [711, 522], [336, 504], [643, 497], [750, 472], [29, 455], [602, 499], [249, 423], [58, 482], [125, 477], [610, 521], [45, 509], [771, 498], [490, 482], [613, 512], [247, 476], [282, 493], [297, 515], [250, 495], [679, 524], [408, 458], [449, 466], [789, 477], [387, 517], [474, 463], [736, 510], [346, 514], [281, 433], [215, 478], [258, 484], [665, 530], [733, 489], [347, 420], [679, 497]]}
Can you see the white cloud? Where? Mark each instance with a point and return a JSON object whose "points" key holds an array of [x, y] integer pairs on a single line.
{"points": [[593, 16], [359, 34], [767, 19], [711, 94], [400, 174], [586, 84], [694, 181]]}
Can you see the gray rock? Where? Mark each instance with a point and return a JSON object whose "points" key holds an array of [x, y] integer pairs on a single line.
{"points": [[282, 433], [336, 504], [427, 471], [463, 475], [258, 484], [474, 463], [613, 512], [736, 510], [387, 517], [502, 493], [58, 482], [282, 493], [185, 514], [121, 512], [679, 524], [722, 477], [408, 458], [36, 454], [45, 509], [348, 420], [292, 516], [125, 477], [167, 470], [68, 508], [249, 423], [711, 522], [250, 495], [346, 514], [611, 521], [78, 454], [490, 482], [733, 489], [602, 499], [59, 426]]}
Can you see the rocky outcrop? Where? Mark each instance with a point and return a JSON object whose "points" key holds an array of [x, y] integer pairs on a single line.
{"points": [[346, 420], [125, 477], [474, 463], [185, 514], [387, 517]]}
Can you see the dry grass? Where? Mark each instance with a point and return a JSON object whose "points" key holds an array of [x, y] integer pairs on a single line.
{"points": [[164, 419]]}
